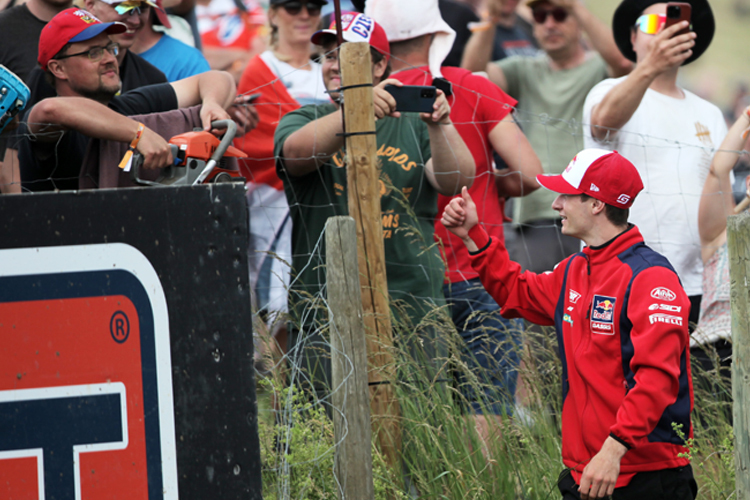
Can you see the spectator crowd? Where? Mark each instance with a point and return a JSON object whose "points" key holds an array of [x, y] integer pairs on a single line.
{"points": [[557, 143]]}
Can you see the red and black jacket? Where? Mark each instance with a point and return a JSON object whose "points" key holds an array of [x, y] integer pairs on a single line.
{"points": [[621, 317]]}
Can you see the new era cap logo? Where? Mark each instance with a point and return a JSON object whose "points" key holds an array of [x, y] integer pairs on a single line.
{"points": [[594, 187]]}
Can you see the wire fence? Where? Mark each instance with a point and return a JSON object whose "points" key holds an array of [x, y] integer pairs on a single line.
{"points": [[442, 455]]}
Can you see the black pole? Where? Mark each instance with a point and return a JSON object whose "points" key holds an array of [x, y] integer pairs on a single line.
{"points": [[337, 15]]}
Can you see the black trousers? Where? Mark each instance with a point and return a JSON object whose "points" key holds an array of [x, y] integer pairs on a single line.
{"points": [[665, 484]]}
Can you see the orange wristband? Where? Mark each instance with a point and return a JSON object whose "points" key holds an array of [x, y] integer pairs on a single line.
{"points": [[480, 26], [127, 159], [138, 134]]}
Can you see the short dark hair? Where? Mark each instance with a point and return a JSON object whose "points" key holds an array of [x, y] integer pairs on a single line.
{"points": [[615, 215], [376, 58], [48, 76]]}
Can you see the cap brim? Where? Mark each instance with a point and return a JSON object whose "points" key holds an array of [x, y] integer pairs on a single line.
{"points": [[319, 37], [557, 184], [97, 29]]}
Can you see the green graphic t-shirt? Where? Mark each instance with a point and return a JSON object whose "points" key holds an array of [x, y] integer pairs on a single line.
{"points": [[414, 268]]}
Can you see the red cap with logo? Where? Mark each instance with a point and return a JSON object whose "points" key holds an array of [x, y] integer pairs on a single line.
{"points": [[70, 26], [605, 175], [357, 28]]}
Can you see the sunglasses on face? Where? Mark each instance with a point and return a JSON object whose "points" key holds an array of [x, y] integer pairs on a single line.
{"points": [[294, 8], [650, 24], [131, 8], [95, 54], [558, 14]]}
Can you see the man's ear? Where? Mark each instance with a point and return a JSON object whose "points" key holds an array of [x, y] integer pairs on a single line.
{"points": [[56, 68], [597, 206], [378, 70], [89, 5]]}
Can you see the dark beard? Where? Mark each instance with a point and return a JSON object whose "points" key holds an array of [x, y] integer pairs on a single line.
{"points": [[101, 94]]}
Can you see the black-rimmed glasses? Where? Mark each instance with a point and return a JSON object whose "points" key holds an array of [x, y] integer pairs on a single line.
{"points": [[95, 53]]}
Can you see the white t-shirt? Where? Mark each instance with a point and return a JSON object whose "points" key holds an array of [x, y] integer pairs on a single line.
{"points": [[671, 142], [304, 85]]}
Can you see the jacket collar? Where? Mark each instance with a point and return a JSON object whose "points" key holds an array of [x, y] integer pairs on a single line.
{"points": [[615, 246]]}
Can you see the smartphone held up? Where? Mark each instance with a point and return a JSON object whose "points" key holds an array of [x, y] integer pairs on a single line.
{"points": [[413, 98], [677, 12]]}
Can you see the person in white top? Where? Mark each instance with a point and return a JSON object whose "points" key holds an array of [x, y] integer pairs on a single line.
{"points": [[668, 132], [711, 342], [282, 79]]}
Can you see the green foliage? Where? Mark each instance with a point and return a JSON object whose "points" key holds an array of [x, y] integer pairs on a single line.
{"points": [[297, 453], [441, 449]]}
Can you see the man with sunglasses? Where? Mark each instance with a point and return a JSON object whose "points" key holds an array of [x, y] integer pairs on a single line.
{"points": [[668, 132], [176, 59], [550, 88], [77, 54]]}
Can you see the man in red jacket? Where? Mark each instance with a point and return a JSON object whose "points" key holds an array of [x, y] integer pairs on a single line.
{"points": [[621, 317]]}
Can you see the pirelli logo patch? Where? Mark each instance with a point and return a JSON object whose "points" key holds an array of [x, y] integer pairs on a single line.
{"points": [[603, 315]]}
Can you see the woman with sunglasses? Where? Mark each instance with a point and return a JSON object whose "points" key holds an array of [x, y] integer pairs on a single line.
{"points": [[279, 80]]}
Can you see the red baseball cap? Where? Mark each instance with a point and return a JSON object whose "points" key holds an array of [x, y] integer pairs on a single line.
{"points": [[605, 175], [357, 28], [70, 26]]}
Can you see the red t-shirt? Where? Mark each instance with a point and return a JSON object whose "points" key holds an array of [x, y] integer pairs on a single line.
{"points": [[477, 106]]}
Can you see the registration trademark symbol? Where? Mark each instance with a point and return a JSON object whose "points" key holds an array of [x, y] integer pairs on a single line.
{"points": [[119, 327]]}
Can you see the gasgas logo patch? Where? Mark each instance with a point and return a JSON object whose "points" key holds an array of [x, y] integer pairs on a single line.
{"points": [[603, 315]]}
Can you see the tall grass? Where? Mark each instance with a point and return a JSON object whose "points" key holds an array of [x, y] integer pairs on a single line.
{"points": [[443, 457]]}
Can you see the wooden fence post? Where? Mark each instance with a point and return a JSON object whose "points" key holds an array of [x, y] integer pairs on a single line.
{"points": [[738, 238], [351, 415], [364, 206]]}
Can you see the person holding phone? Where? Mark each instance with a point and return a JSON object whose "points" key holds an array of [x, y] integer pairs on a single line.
{"points": [[669, 133], [483, 115], [419, 156]]}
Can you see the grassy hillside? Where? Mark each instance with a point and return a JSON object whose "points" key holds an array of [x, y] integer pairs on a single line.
{"points": [[725, 64]]}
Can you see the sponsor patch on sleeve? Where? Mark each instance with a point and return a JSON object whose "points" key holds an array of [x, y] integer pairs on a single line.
{"points": [[665, 318]]}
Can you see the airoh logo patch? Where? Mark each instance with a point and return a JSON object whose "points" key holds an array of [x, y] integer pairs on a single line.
{"points": [[661, 293]]}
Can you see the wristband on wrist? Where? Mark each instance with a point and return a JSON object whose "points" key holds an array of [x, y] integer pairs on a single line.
{"points": [[138, 134], [128, 158], [480, 26]]}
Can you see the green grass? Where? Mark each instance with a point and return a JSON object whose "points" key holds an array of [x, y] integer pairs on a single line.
{"points": [[441, 450]]}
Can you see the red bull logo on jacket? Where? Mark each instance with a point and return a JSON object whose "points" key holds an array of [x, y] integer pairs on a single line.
{"points": [[603, 315]]}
